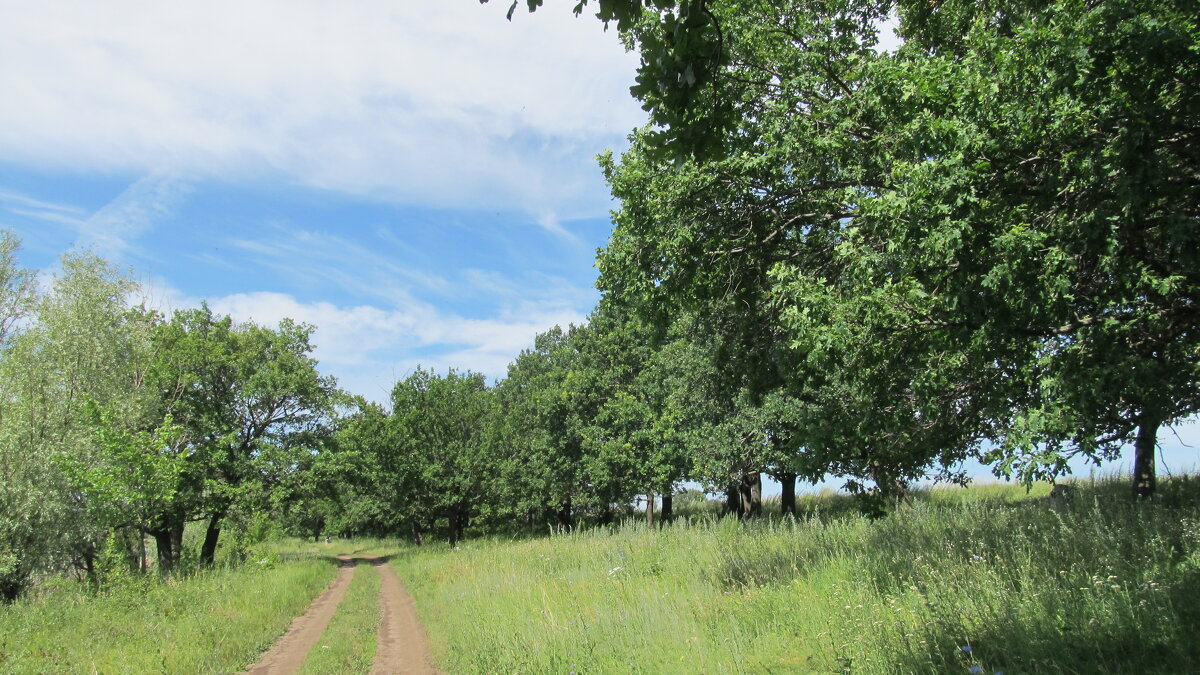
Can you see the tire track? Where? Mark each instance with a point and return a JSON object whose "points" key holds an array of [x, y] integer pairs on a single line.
{"points": [[290, 650], [401, 645]]}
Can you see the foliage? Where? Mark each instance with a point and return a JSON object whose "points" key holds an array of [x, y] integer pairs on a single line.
{"points": [[437, 453], [988, 234], [539, 426], [79, 344]]}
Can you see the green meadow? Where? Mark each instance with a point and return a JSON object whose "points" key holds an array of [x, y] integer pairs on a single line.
{"points": [[217, 621], [980, 580], [988, 579]]}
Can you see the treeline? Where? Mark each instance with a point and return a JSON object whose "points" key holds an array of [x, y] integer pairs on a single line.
{"points": [[588, 420], [831, 259], [121, 425], [828, 260]]}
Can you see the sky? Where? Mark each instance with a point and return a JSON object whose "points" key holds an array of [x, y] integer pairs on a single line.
{"points": [[415, 179]]}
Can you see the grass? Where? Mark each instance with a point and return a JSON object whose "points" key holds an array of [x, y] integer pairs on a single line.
{"points": [[348, 643], [292, 548], [979, 580], [985, 579], [217, 621]]}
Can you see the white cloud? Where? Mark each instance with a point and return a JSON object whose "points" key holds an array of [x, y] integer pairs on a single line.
{"points": [[25, 205], [111, 231], [440, 103], [368, 348]]}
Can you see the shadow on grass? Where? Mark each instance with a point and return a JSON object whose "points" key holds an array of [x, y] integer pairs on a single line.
{"points": [[1017, 644], [344, 561]]}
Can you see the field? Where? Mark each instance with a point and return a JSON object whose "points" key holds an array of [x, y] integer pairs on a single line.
{"points": [[213, 622], [984, 580]]}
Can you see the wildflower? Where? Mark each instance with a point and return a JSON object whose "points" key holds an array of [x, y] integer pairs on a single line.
{"points": [[966, 649], [976, 669]]}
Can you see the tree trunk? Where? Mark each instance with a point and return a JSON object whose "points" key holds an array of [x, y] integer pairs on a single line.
{"points": [[458, 524], [177, 544], [208, 552], [565, 514], [143, 564], [162, 540], [787, 498], [667, 510], [650, 510], [1145, 480], [733, 500], [417, 538], [892, 491], [750, 494], [88, 555]]}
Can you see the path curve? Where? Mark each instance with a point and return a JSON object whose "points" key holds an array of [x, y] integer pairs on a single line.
{"points": [[288, 652], [401, 645]]}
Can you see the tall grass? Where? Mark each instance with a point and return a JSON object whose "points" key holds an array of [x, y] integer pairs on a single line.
{"points": [[217, 621], [977, 580]]}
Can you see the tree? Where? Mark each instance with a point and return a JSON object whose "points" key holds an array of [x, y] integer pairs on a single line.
{"points": [[540, 427], [989, 234], [79, 345], [131, 476], [1077, 146], [340, 486], [439, 449], [241, 392]]}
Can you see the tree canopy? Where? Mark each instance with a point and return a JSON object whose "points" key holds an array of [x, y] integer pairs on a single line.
{"points": [[987, 235]]}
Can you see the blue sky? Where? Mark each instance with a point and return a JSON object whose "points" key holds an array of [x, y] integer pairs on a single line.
{"points": [[416, 179]]}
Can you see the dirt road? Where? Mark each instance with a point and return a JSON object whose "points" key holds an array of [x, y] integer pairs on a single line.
{"points": [[402, 646]]}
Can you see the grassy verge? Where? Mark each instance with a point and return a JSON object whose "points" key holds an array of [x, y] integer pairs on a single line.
{"points": [[348, 644], [963, 581], [218, 621]]}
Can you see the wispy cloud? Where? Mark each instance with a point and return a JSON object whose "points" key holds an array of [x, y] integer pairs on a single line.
{"points": [[322, 258], [24, 205], [11, 200], [390, 271], [436, 103], [112, 230]]}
